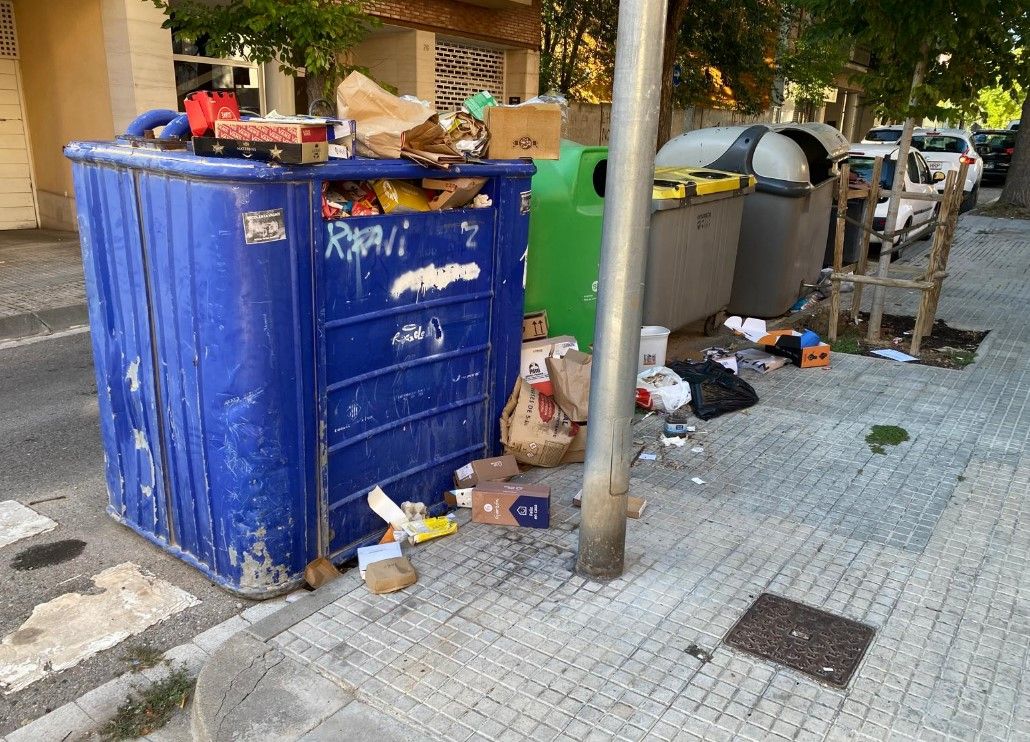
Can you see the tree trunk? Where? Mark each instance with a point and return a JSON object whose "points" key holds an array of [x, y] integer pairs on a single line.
{"points": [[673, 21], [1017, 182], [314, 86]]}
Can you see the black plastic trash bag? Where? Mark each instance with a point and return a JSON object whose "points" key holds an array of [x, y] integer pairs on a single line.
{"points": [[714, 390]]}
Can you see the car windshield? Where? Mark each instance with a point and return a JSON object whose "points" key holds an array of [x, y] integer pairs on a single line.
{"points": [[883, 135], [995, 139], [862, 167], [942, 143]]}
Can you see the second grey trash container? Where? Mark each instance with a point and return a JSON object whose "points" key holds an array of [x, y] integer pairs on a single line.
{"points": [[786, 221]]}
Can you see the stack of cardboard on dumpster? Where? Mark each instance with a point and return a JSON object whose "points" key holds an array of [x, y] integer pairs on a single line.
{"points": [[373, 123]]}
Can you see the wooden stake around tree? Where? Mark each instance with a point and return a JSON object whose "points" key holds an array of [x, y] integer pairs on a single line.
{"points": [[867, 225], [838, 247]]}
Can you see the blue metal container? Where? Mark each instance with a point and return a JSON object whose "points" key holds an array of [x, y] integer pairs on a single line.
{"points": [[260, 369]]}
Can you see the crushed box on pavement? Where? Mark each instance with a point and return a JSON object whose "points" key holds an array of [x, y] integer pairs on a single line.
{"points": [[493, 469], [371, 554], [533, 427], [512, 504], [458, 498], [390, 575]]}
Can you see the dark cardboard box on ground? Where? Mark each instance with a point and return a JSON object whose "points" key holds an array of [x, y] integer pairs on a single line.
{"points": [[524, 131], [512, 504], [494, 469], [291, 154], [813, 356]]}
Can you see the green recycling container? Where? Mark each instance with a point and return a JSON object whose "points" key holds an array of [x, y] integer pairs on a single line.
{"points": [[695, 227]]}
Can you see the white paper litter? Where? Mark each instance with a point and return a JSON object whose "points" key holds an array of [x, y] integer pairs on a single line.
{"points": [[674, 441], [697, 480]]}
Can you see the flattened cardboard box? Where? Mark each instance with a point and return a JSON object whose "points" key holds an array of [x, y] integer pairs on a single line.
{"points": [[494, 469], [291, 154], [270, 131], [512, 504]]}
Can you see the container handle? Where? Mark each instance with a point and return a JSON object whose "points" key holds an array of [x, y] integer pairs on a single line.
{"points": [[177, 128], [738, 156], [150, 120]]}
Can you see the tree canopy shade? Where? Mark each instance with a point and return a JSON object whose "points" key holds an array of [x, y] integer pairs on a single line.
{"points": [[312, 35], [967, 45]]}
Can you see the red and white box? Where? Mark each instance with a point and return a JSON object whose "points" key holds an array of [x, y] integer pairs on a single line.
{"points": [[271, 131]]}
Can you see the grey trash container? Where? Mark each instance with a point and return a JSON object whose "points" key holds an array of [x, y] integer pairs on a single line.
{"points": [[786, 221], [852, 234]]}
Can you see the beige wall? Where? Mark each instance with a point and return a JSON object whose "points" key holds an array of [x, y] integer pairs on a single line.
{"points": [[522, 73], [139, 60], [403, 58], [64, 71]]}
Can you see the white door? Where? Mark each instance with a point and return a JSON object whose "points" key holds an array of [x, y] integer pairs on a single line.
{"points": [[17, 205]]}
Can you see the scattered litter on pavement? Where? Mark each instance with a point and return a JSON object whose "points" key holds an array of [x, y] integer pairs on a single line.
{"points": [[698, 480], [697, 449], [695, 651], [634, 505], [414, 531], [534, 429], [494, 469], [724, 357], [648, 456], [714, 391], [674, 441], [894, 355], [390, 575], [759, 361], [48, 499], [378, 552], [458, 498], [320, 571], [660, 388]]}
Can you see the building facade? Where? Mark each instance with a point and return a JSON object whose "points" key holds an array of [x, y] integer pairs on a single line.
{"points": [[83, 69]]}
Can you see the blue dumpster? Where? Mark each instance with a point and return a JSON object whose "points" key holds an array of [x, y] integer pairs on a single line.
{"points": [[260, 369]]}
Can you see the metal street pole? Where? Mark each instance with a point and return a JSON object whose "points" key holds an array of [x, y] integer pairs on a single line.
{"points": [[634, 129]]}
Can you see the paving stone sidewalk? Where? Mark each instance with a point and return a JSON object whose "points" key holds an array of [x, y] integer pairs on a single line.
{"points": [[42, 288], [928, 543]]}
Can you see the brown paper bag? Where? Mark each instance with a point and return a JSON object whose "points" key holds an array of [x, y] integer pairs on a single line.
{"points": [[577, 451], [570, 377], [381, 117], [534, 429]]}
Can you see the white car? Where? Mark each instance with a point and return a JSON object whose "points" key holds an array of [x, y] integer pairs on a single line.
{"points": [[886, 134], [946, 149], [918, 179]]}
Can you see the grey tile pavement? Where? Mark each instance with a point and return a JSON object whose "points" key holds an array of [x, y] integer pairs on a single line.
{"points": [[42, 288], [928, 543]]}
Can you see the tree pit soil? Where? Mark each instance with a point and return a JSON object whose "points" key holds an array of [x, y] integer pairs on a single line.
{"points": [[945, 347]]}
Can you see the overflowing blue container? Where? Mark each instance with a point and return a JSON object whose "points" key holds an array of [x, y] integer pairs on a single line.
{"points": [[260, 369]]}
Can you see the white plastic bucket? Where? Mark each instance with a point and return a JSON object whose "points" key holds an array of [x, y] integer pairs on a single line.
{"points": [[654, 341]]}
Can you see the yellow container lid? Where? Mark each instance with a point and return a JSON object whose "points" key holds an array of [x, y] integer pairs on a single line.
{"points": [[681, 182]]}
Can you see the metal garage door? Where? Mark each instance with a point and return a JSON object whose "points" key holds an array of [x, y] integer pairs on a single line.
{"points": [[463, 70], [17, 207]]}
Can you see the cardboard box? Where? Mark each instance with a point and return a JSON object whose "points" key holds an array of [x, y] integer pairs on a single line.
{"points": [[512, 504], [270, 131], [290, 154], [533, 366], [524, 131], [459, 498], [454, 192], [494, 469], [390, 575], [400, 196], [534, 429], [812, 356], [534, 325], [634, 505], [368, 555]]}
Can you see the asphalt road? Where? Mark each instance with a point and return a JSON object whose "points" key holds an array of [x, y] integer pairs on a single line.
{"points": [[50, 448]]}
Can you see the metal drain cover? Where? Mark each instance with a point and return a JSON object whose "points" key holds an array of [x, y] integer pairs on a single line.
{"points": [[817, 643]]}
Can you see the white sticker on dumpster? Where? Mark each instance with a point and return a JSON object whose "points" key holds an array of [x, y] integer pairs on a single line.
{"points": [[264, 226]]}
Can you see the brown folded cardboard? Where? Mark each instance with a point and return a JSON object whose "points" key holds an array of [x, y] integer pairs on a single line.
{"points": [[390, 575], [493, 469], [634, 505], [534, 355], [534, 325], [576, 453], [534, 429], [524, 131], [454, 192], [570, 379], [512, 504]]}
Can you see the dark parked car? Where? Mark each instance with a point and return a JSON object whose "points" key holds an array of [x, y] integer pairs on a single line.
{"points": [[995, 147]]}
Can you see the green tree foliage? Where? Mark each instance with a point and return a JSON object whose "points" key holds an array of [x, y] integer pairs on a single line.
{"points": [[999, 106], [967, 45], [309, 34], [577, 45]]}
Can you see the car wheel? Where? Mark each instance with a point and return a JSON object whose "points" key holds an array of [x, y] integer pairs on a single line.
{"points": [[970, 199]]}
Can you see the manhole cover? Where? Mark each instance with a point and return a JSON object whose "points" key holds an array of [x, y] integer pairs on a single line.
{"points": [[815, 642]]}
